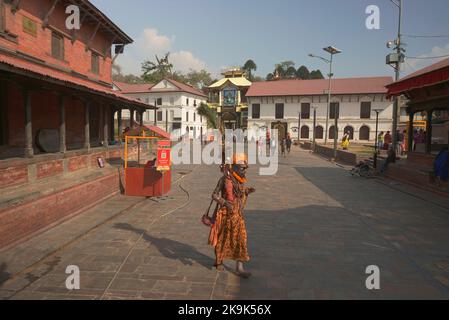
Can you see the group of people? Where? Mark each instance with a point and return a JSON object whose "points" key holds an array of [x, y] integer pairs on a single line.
{"points": [[267, 143], [385, 142]]}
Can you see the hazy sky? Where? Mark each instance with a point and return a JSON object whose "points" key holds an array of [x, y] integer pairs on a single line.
{"points": [[214, 34]]}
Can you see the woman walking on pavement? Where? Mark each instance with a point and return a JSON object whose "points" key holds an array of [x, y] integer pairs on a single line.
{"points": [[289, 142], [228, 233]]}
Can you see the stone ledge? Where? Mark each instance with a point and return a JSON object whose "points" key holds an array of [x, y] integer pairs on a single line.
{"points": [[23, 221]]}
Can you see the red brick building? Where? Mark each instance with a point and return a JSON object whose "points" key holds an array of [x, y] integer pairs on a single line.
{"points": [[57, 106]]}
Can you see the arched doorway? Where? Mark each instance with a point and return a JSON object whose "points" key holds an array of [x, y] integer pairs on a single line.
{"points": [[350, 131], [281, 128], [364, 133], [332, 133], [319, 131], [305, 132], [229, 120]]}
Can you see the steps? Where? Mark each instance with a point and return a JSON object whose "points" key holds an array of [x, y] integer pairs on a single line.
{"points": [[30, 209], [418, 175]]}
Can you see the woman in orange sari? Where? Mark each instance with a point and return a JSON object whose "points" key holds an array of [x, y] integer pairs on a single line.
{"points": [[228, 234]]}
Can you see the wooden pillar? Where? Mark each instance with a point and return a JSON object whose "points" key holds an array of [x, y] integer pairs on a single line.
{"points": [[141, 118], [120, 125], [429, 132], [410, 131], [87, 126], [105, 127], [62, 126], [29, 152]]}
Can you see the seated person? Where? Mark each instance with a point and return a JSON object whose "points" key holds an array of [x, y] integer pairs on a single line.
{"points": [[441, 166], [390, 159], [151, 163]]}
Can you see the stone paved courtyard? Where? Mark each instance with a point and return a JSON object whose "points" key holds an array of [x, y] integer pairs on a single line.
{"points": [[313, 229]]}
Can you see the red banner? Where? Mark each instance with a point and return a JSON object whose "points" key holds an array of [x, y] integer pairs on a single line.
{"points": [[163, 159]]}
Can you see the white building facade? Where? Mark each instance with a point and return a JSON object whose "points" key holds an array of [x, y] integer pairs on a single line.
{"points": [[177, 106], [289, 104]]}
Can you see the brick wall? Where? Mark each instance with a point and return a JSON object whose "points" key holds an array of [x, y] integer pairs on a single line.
{"points": [[13, 176], [77, 163], [49, 169], [20, 222], [76, 56], [20, 171]]}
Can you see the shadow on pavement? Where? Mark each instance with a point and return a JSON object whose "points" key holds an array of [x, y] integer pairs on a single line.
{"points": [[4, 275], [170, 248]]}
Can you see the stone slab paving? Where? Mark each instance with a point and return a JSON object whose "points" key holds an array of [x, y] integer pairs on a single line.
{"points": [[313, 229]]}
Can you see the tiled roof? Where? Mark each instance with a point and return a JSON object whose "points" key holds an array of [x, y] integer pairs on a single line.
{"points": [[16, 64], [432, 75], [148, 88], [318, 87], [434, 67], [133, 88]]}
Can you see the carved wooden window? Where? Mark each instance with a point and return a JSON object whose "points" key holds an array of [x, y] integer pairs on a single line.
{"points": [[57, 46], [95, 63]]}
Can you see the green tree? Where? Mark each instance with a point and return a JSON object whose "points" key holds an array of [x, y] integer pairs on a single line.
{"points": [[316, 74], [198, 79], [303, 73], [249, 67], [118, 76], [156, 71], [290, 73], [270, 77], [210, 115]]}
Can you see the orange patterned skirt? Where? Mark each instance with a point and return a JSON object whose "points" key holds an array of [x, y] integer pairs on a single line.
{"points": [[228, 235]]}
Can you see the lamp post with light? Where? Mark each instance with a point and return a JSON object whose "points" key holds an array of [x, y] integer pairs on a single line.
{"points": [[376, 143], [332, 51], [314, 127]]}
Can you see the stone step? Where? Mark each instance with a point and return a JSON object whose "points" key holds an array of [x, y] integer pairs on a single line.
{"points": [[418, 176], [33, 210]]}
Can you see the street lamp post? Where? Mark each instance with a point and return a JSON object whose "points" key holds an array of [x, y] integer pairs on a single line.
{"points": [[314, 127], [299, 126], [155, 112], [332, 51], [376, 143]]}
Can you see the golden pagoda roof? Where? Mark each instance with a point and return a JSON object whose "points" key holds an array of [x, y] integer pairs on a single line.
{"points": [[237, 81]]}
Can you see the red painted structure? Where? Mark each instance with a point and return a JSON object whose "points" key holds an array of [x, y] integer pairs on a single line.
{"points": [[61, 80], [146, 180]]}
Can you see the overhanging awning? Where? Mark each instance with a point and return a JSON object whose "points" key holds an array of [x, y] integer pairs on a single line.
{"points": [[17, 65], [432, 75]]}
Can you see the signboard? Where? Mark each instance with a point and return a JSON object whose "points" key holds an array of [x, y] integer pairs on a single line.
{"points": [[229, 97], [29, 26], [163, 155]]}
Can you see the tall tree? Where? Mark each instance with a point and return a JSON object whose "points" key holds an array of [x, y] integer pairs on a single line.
{"points": [[198, 79], [118, 76], [316, 74], [290, 73], [284, 70], [158, 70], [210, 115], [303, 73], [249, 67]]}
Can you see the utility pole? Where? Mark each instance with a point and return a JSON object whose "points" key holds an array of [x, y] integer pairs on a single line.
{"points": [[314, 128], [166, 120], [397, 75], [299, 126], [376, 144], [155, 112], [328, 100]]}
